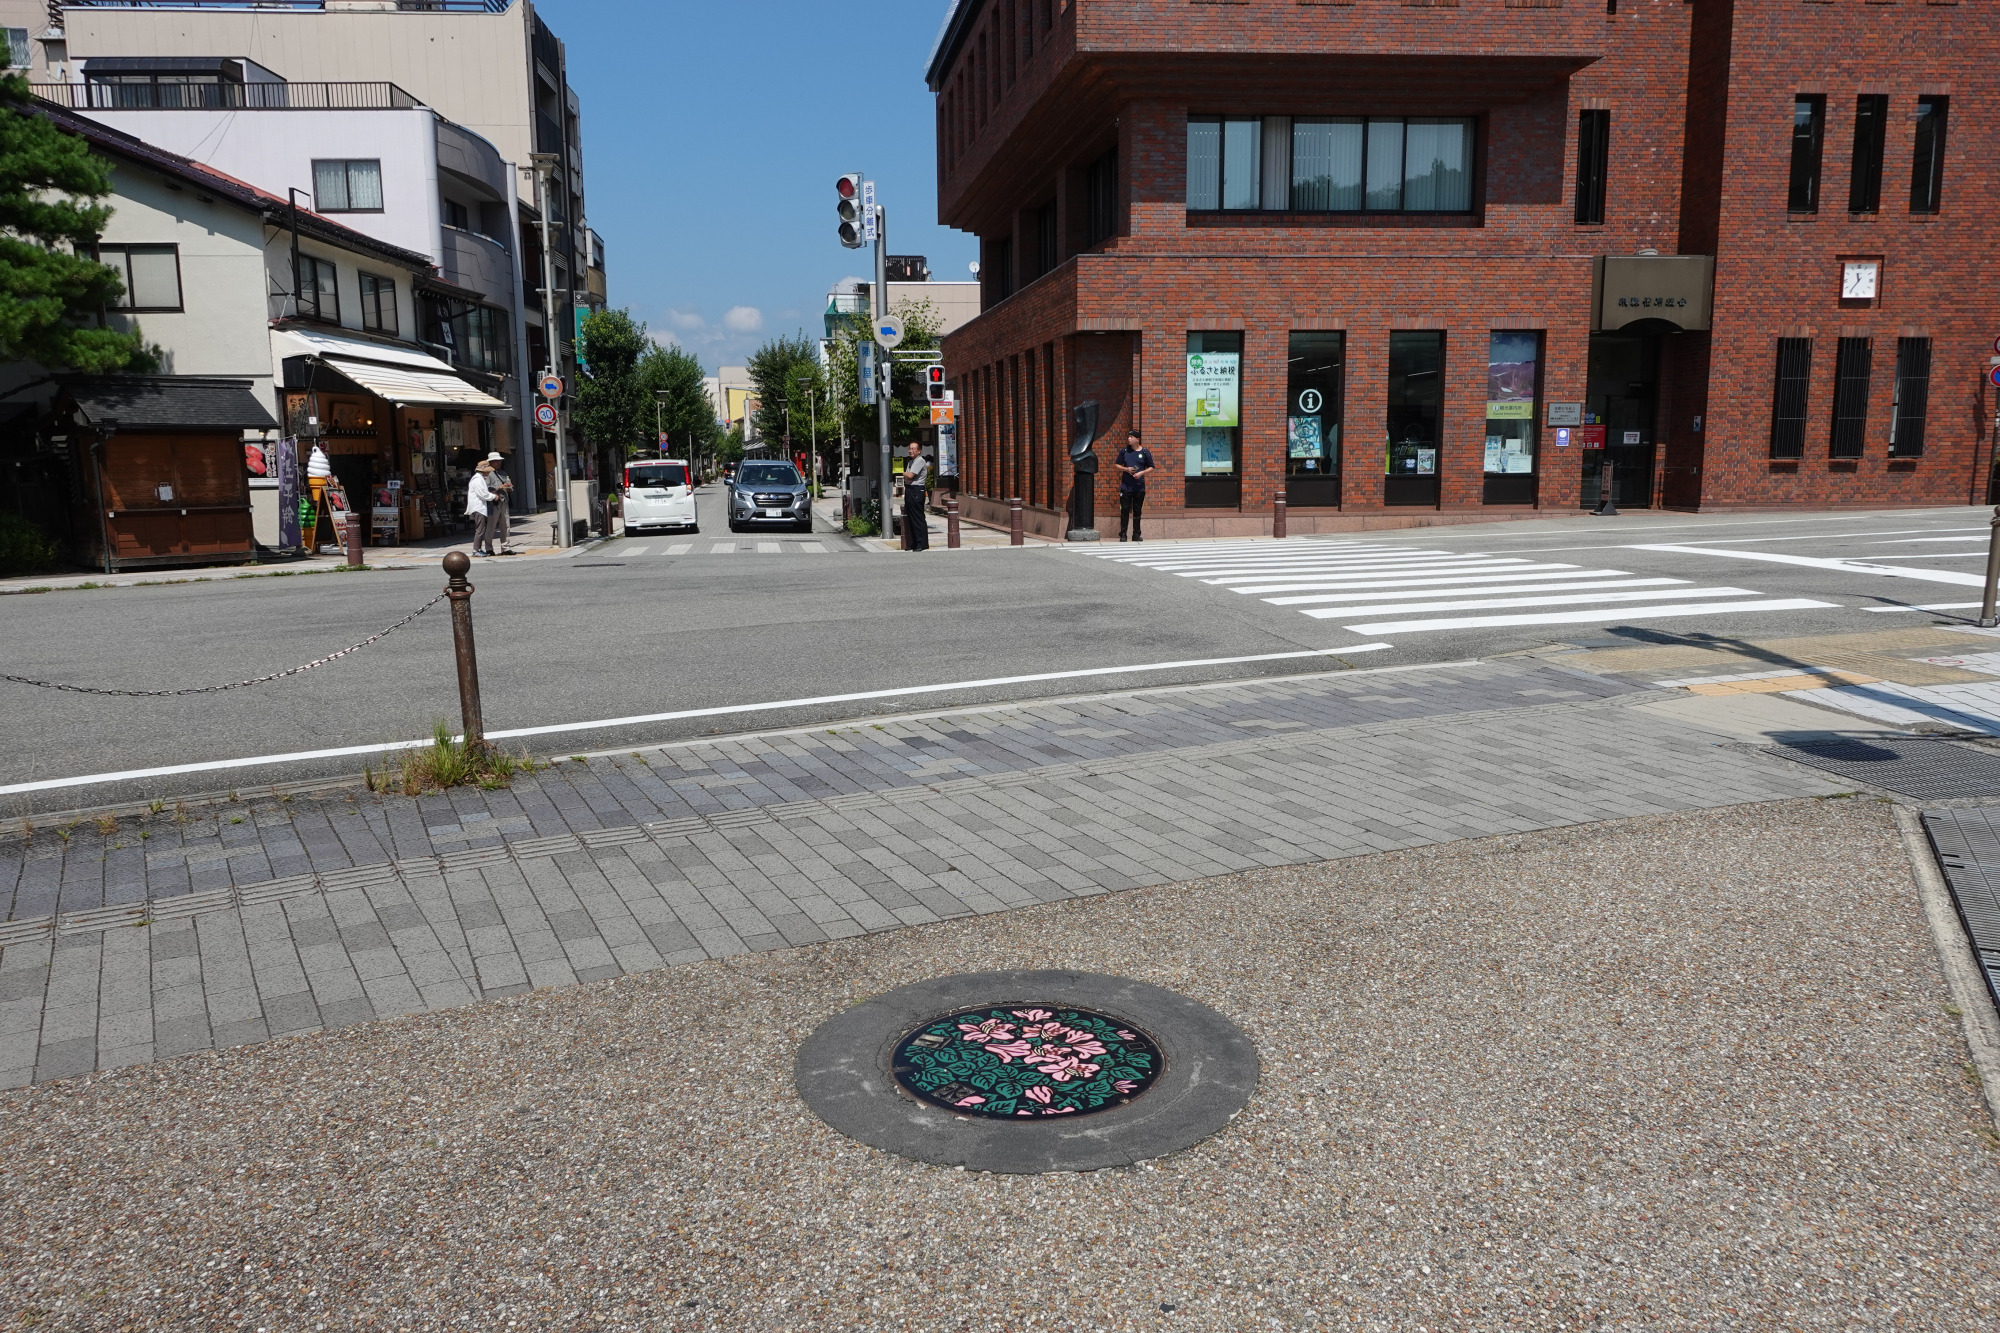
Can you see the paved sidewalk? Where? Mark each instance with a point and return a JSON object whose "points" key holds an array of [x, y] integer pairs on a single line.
{"points": [[250, 922]]}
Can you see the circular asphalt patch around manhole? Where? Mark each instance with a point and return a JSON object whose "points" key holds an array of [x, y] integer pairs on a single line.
{"points": [[1028, 1071]]}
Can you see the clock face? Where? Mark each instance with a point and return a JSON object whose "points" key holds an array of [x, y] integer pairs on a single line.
{"points": [[1857, 280]]}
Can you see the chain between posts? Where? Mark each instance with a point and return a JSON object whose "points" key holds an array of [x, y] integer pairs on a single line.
{"points": [[235, 684]]}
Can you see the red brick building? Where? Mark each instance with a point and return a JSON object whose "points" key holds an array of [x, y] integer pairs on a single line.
{"points": [[1432, 261]]}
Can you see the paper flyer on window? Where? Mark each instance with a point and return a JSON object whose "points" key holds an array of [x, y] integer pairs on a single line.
{"points": [[1212, 389]]}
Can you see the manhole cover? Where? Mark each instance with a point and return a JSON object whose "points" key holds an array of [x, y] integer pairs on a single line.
{"points": [[1092, 1071], [1028, 1059], [1925, 769]]}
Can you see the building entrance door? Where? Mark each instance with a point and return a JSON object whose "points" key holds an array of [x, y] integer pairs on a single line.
{"points": [[1623, 399]]}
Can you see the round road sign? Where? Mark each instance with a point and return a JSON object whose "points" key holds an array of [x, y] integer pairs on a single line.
{"points": [[889, 331], [545, 415], [551, 386], [1994, 375]]}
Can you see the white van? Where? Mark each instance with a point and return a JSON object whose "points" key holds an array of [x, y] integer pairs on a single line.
{"points": [[658, 494]]}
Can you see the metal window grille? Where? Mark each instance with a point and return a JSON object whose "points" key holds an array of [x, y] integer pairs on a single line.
{"points": [[1927, 164], [1593, 164], [1852, 364], [1808, 143], [1871, 129], [1789, 397], [1913, 395]]}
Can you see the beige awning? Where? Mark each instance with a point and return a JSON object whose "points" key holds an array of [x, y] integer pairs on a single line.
{"points": [[411, 386]]}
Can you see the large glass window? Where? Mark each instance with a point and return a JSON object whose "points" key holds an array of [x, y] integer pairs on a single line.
{"points": [[1927, 165], [1913, 396], [1871, 130], [1214, 420], [1330, 164], [1789, 396], [1314, 378], [1852, 366], [1416, 402], [1513, 375], [1808, 140], [152, 275], [342, 185]]}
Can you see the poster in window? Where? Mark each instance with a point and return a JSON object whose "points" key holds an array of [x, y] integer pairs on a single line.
{"points": [[1510, 376], [1302, 437], [1212, 389], [1427, 462], [1218, 452]]}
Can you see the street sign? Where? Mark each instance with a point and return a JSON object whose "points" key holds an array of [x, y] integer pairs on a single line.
{"points": [[1996, 344], [944, 414], [869, 222], [865, 356], [1994, 375], [551, 386], [889, 331], [545, 415]]}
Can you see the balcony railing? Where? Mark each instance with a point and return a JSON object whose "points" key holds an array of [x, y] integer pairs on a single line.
{"points": [[227, 96], [406, 6]]}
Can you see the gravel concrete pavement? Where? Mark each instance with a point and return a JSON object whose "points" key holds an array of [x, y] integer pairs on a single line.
{"points": [[1683, 1072]]}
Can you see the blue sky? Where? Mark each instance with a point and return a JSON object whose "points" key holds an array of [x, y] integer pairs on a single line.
{"points": [[713, 133]]}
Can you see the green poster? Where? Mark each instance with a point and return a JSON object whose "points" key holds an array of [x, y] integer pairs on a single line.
{"points": [[1212, 389]]}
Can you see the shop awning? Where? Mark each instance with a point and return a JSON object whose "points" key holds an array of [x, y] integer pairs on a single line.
{"points": [[401, 374], [168, 402]]}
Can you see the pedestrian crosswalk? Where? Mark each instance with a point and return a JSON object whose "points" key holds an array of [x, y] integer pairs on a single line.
{"points": [[719, 546], [1375, 589]]}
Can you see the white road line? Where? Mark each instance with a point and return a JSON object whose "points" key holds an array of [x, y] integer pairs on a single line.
{"points": [[386, 747], [1980, 554], [1505, 589], [1423, 567], [767, 548], [1310, 558], [1911, 541], [812, 548], [632, 550], [1933, 606], [1430, 580], [723, 548], [1841, 566], [1217, 573], [1336, 612], [1587, 617], [678, 548]]}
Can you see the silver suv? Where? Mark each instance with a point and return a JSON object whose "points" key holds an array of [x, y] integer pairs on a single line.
{"points": [[768, 494]]}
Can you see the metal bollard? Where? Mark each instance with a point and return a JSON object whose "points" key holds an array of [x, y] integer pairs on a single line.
{"points": [[455, 566], [1278, 517], [1986, 609], [354, 558], [1014, 521], [951, 522]]}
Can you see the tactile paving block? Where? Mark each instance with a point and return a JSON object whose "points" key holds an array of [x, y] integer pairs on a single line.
{"points": [[1929, 770]]}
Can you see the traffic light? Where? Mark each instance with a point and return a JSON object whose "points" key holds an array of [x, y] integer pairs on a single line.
{"points": [[934, 383], [848, 187]]}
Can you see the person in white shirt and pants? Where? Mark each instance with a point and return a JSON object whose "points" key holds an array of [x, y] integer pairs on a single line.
{"points": [[479, 498]]}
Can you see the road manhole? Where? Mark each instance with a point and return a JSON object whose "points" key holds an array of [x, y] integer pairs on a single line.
{"points": [[1028, 1071]]}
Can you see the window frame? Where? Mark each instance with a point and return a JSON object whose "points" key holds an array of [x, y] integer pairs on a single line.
{"points": [[1101, 199], [371, 304], [319, 304], [1871, 140], [19, 54], [1853, 374], [1927, 154], [347, 165], [1593, 164], [1263, 157], [1791, 398], [1909, 409], [1802, 189], [124, 266]]}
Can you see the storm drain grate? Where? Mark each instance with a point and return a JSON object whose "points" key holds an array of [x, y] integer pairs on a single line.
{"points": [[1929, 770], [1967, 843]]}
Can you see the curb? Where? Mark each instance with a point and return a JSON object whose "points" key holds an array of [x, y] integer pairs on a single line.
{"points": [[1980, 1023]]}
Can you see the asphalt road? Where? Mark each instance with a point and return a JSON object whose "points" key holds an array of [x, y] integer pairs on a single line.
{"points": [[619, 631]]}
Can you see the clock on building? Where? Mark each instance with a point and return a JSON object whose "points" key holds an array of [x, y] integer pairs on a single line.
{"points": [[1857, 279]]}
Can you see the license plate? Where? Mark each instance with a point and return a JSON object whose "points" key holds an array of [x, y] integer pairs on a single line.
{"points": [[774, 513]]}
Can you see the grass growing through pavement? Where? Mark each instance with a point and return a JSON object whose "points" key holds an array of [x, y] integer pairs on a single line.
{"points": [[446, 763]]}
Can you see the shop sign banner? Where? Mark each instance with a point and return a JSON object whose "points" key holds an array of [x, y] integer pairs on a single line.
{"points": [[290, 528], [1212, 389], [1565, 414], [1511, 365], [1590, 437]]}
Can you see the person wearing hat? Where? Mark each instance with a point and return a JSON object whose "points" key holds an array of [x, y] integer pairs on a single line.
{"points": [[480, 500], [502, 487]]}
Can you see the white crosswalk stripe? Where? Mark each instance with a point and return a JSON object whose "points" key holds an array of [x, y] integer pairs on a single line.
{"points": [[1354, 583], [763, 547]]}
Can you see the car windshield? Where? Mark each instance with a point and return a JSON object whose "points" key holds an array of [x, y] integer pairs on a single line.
{"points": [[768, 474], [658, 475]]}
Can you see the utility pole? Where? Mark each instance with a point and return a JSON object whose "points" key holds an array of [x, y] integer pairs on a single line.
{"points": [[882, 393], [812, 424], [545, 165]]}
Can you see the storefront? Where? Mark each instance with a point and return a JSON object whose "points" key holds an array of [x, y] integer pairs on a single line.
{"points": [[402, 430]]}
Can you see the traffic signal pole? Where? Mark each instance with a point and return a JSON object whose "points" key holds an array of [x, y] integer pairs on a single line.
{"points": [[544, 167], [882, 391]]}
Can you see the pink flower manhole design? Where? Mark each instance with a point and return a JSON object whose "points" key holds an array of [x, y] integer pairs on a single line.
{"points": [[1023, 1061]]}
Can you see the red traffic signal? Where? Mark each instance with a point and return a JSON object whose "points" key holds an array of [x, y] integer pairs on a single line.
{"points": [[848, 208], [934, 383]]}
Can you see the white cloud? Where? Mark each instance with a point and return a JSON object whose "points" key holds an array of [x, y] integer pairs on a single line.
{"points": [[743, 319], [687, 321]]}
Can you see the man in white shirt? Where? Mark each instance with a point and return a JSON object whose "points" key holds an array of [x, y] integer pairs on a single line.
{"points": [[478, 507], [500, 524]]}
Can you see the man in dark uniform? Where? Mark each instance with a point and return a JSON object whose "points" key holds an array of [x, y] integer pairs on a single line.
{"points": [[1135, 460]]}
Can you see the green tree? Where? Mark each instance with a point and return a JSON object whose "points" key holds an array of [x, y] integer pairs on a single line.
{"points": [[791, 387], [612, 408], [670, 382], [909, 405], [49, 286]]}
